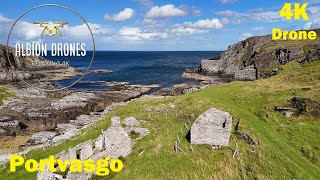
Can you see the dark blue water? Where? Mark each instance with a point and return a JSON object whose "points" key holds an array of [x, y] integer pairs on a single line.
{"points": [[164, 68]]}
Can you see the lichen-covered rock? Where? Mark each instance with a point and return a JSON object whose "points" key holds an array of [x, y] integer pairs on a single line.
{"points": [[137, 130], [77, 99], [48, 175], [63, 128], [41, 138], [29, 92], [117, 140], [131, 122], [66, 132], [84, 120], [212, 127]]}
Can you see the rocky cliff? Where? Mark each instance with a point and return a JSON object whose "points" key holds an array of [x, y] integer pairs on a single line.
{"points": [[258, 57], [22, 68]]}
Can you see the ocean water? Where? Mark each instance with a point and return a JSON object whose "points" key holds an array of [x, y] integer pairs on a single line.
{"points": [[164, 68]]}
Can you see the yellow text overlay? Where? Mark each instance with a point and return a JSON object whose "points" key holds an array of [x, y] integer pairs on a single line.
{"points": [[100, 167]]}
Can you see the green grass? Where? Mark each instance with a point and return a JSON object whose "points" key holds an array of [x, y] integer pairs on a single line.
{"points": [[288, 147], [4, 93]]}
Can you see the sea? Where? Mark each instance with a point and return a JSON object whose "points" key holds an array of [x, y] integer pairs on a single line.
{"points": [[136, 67]]}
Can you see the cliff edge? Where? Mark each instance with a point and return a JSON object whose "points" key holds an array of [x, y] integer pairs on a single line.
{"points": [[259, 57]]}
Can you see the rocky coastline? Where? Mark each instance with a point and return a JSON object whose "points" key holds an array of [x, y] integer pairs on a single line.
{"points": [[56, 115]]}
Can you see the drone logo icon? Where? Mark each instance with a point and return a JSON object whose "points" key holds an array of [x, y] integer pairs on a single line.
{"points": [[51, 28]]}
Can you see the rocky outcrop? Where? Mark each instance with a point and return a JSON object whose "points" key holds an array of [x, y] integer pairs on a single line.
{"points": [[16, 72], [131, 90], [212, 127], [16, 68], [8, 126], [185, 88], [131, 122], [133, 128], [255, 57], [312, 53], [113, 143], [101, 71], [116, 140], [35, 110]]}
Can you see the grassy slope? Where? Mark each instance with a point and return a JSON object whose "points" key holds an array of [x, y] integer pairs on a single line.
{"points": [[281, 139], [278, 155]]}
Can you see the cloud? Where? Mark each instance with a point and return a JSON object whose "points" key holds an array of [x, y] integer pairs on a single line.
{"points": [[22, 31], [314, 2], [149, 21], [4, 19], [257, 16], [188, 31], [245, 36], [165, 11], [308, 25], [258, 29], [205, 24], [26, 31], [313, 13], [227, 1], [195, 11], [82, 31], [135, 34], [261, 15], [199, 27], [124, 15], [257, 10]]}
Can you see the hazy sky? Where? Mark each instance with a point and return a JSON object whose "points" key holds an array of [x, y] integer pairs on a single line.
{"points": [[154, 24]]}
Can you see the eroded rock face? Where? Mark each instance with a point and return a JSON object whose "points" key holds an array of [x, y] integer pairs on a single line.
{"points": [[251, 58], [212, 127], [8, 125], [42, 111], [288, 54], [16, 68], [313, 53]]}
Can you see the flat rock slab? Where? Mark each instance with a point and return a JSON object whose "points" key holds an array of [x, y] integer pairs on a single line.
{"points": [[78, 99], [212, 127], [41, 138]]}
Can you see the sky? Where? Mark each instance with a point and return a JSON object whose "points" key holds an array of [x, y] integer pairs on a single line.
{"points": [[153, 25]]}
